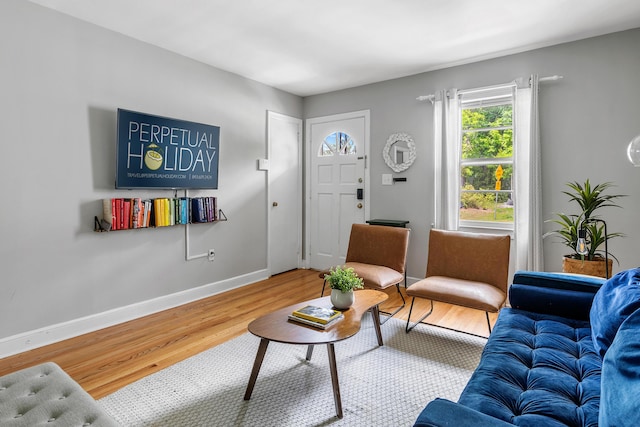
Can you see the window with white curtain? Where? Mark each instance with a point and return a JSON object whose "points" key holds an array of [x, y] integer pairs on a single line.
{"points": [[486, 162], [476, 133]]}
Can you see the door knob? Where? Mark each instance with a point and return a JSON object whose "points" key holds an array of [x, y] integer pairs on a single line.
{"points": [[275, 204], [359, 205]]}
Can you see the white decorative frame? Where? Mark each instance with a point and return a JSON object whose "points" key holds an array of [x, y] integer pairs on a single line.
{"points": [[411, 156]]}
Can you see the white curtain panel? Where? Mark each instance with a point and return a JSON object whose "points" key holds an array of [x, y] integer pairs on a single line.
{"points": [[438, 141], [528, 211], [447, 166]]}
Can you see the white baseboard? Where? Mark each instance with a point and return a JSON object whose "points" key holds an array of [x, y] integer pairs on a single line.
{"points": [[50, 334]]}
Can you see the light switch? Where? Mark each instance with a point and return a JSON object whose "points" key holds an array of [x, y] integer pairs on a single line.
{"points": [[387, 179]]}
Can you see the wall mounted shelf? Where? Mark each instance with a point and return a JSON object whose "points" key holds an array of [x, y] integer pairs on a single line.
{"points": [[136, 213]]}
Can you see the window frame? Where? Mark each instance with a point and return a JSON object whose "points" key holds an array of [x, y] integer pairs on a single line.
{"points": [[348, 149], [482, 98]]}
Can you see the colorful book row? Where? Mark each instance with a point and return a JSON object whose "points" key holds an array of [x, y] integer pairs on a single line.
{"points": [[123, 214]]}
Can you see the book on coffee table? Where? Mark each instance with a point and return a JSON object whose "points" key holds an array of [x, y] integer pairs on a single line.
{"points": [[317, 314], [312, 323]]}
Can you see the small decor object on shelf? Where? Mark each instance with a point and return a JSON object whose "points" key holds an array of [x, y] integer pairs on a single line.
{"points": [[584, 233], [343, 281]]}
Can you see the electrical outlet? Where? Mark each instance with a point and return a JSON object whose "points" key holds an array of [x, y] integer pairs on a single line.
{"points": [[212, 254]]}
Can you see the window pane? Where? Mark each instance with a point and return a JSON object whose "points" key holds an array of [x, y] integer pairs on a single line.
{"points": [[337, 143], [347, 146], [487, 132], [482, 198], [487, 144], [487, 117], [328, 147], [486, 206], [484, 177], [325, 150]]}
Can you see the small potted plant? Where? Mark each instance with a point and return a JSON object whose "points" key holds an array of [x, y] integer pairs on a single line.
{"points": [[342, 282], [589, 198]]}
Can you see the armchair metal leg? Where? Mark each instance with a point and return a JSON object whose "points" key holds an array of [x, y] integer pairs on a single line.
{"points": [[488, 321], [324, 283], [391, 314], [410, 327]]}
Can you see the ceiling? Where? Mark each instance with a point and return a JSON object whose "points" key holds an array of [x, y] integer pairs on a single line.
{"points": [[308, 47]]}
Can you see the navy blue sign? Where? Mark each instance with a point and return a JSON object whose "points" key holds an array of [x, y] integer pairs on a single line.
{"points": [[159, 152]]}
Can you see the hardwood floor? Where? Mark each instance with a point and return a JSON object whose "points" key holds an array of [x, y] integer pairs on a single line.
{"points": [[109, 359]]}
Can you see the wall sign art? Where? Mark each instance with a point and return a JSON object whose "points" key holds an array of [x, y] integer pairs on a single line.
{"points": [[160, 152]]}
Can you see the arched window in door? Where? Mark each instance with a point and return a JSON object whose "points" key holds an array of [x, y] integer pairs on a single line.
{"points": [[337, 143]]}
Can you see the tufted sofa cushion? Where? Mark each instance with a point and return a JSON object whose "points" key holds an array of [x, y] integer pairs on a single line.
{"points": [[45, 395], [537, 370]]}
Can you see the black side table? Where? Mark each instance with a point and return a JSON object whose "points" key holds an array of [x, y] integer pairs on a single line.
{"points": [[389, 222]]}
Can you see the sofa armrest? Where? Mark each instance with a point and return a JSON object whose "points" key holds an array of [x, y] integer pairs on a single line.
{"points": [[558, 294], [441, 412]]}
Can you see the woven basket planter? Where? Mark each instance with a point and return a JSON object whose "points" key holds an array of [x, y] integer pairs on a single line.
{"points": [[591, 268]]}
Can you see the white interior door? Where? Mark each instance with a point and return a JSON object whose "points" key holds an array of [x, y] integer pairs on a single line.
{"points": [[284, 140], [338, 184]]}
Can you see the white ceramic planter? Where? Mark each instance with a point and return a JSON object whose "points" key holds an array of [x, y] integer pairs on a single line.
{"points": [[341, 300]]}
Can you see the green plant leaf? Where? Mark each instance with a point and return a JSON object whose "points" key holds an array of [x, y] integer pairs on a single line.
{"points": [[344, 279], [589, 198]]}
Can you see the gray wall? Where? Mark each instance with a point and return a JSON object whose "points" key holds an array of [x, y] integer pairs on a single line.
{"points": [[587, 119], [62, 81]]}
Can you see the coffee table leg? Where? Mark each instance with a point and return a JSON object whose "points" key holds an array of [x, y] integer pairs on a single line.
{"points": [[309, 352], [334, 379], [262, 349], [375, 313]]}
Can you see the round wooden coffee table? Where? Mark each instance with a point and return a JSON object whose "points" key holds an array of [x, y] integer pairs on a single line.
{"points": [[277, 327]]}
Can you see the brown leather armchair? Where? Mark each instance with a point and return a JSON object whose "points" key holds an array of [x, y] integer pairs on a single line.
{"points": [[378, 254], [465, 269]]}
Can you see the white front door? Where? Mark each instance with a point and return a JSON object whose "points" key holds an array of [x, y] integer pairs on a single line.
{"points": [[338, 190], [284, 140]]}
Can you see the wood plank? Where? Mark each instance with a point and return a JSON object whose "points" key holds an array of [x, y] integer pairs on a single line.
{"points": [[109, 359]]}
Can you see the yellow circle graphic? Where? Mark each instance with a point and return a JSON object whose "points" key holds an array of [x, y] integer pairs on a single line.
{"points": [[153, 158]]}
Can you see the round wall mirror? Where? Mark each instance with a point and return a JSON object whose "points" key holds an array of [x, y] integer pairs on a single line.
{"points": [[399, 152]]}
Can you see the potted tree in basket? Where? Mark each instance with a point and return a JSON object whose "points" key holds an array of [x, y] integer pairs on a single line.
{"points": [[590, 260], [342, 282]]}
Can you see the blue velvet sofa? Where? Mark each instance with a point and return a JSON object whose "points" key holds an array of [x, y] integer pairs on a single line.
{"points": [[567, 353]]}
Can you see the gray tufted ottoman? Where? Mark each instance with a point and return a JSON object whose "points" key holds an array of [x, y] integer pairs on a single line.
{"points": [[45, 395]]}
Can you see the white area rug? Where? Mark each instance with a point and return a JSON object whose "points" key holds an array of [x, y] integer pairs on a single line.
{"points": [[380, 386]]}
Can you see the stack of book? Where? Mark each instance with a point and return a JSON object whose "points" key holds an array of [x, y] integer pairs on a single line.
{"points": [[318, 317], [123, 214], [204, 209], [171, 211]]}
